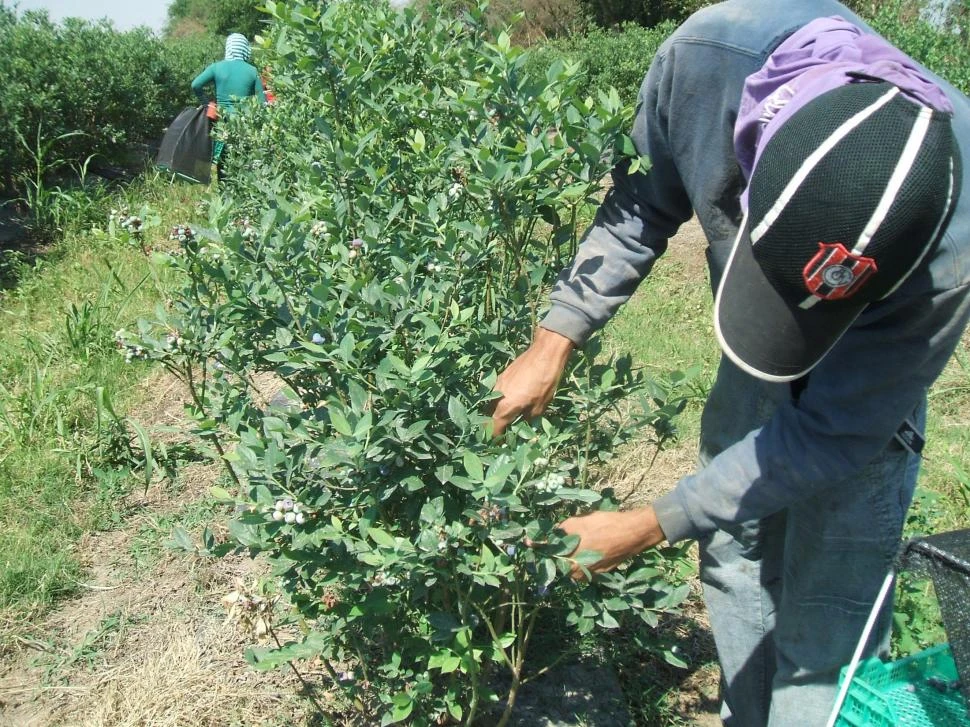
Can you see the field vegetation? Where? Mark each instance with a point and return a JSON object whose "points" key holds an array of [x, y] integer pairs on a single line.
{"points": [[294, 364]]}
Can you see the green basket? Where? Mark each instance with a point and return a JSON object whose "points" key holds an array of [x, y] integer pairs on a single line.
{"points": [[918, 691]]}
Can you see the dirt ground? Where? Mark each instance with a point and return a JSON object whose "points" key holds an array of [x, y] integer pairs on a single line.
{"points": [[145, 641]]}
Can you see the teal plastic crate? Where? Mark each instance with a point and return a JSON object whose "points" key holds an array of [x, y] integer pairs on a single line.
{"points": [[918, 691]]}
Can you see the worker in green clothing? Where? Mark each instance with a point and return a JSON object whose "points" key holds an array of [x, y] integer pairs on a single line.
{"points": [[234, 79]]}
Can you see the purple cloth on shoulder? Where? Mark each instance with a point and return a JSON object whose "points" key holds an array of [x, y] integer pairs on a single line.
{"points": [[818, 58]]}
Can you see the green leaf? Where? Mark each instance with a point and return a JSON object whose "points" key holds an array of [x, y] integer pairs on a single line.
{"points": [[358, 396], [339, 422], [220, 494], [458, 412], [546, 572], [511, 531], [399, 365], [577, 495], [450, 663], [417, 141], [403, 705], [181, 540], [674, 597], [444, 473], [247, 535], [585, 625], [382, 538], [402, 711], [671, 658], [587, 558], [607, 621], [364, 425], [506, 640], [473, 466], [454, 709], [444, 622], [462, 483], [616, 604], [346, 348], [413, 483], [265, 659], [148, 461], [415, 429]]}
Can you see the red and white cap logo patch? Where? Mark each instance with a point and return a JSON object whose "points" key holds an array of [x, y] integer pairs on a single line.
{"points": [[835, 273]]}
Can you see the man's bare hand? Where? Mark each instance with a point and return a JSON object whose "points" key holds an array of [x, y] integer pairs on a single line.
{"points": [[529, 383], [616, 536]]}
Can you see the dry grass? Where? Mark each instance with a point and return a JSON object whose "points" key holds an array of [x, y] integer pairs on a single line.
{"points": [[178, 676], [641, 474], [164, 655], [146, 645], [161, 653]]}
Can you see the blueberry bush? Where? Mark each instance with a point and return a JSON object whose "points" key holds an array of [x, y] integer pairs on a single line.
{"points": [[381, 249]]}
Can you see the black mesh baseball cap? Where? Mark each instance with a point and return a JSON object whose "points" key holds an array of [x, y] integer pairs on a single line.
{"points": [[847, 199]]}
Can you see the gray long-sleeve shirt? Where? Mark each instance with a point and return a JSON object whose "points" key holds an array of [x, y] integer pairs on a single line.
{"points": [[869, 383]]}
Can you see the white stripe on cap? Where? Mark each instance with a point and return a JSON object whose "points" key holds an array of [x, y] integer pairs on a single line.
{"points": [[813, 160], [896, 181], [808, 302]]}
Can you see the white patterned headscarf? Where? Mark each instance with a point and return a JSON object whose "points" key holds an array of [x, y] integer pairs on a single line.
{"points": [[237, 48]]}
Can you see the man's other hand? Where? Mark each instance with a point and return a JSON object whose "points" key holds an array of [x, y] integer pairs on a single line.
{"points": [[529, 383]]}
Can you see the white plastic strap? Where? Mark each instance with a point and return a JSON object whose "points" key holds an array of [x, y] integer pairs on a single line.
{"points": [[857, 656]]}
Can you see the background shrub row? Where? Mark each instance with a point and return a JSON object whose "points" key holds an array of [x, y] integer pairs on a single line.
{"points": [[608, 57], [115, 88], [617, 46], [122, 88]]}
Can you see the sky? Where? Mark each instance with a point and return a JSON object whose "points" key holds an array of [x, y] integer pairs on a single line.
{"points": [[125, 14]]}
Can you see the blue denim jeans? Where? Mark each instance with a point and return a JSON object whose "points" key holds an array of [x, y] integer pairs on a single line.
{"points": [[788, 596]]}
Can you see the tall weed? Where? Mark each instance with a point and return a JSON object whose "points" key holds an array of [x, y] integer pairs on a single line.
{"points": [[68, 450]]}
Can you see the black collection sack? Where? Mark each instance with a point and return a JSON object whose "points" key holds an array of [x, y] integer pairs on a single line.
{"points": [[186, 149]]}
